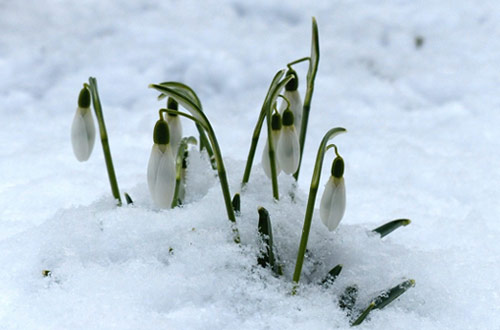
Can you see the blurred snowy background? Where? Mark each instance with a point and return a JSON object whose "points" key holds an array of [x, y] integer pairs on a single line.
{"points": [[416, 83]]}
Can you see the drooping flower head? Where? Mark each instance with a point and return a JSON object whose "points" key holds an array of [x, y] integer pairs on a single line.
{"points": [[332, 206], [275, 135], [83, 129], [288, 145], [161, 167]]}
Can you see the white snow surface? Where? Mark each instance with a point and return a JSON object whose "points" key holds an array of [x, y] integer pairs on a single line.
{"points": [[422, 143]]}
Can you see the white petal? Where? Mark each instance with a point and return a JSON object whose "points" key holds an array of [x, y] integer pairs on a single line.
{"points": [[288, 150], [295, 106], [266, 164], [175, 128], [83, 134], [154, 160], [161, 176], [332, 206]]}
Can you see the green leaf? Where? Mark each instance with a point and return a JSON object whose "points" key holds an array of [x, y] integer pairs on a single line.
{"points": [[236, 203], [183, 89], [332, 274], [183, 97], [128, 199], [363, 315], [386, 297], [389, 227], [266, 233], [314, 62]]}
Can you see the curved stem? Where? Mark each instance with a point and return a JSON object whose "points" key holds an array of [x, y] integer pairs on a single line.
{"points": [[311, 200], [104, 140], [335, 147], [303, 59], [287, 102]]}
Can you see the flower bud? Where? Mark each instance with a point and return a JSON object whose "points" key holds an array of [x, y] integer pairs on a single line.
{"points": [[83, 128], [172, 104], [288, 118], [338, 167], [293, 84], [161, 132]]}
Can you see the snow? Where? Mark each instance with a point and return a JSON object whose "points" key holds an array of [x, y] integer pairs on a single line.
{"points": [[422, 144]]}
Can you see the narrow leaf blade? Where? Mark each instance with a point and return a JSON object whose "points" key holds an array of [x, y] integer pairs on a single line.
{"points": [[389, 227]]}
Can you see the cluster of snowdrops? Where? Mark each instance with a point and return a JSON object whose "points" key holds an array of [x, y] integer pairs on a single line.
{"points": [[286, 117]]}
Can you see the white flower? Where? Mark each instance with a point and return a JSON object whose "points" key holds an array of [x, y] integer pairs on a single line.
{"points": [[83, 129], [175, 128], [332, 206], [161, 167], [266, 164], [295, 106], [288, 145]]}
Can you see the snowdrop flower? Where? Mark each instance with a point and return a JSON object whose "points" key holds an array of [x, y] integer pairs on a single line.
{"points": [[83, 129], [161, 167], [174, 124], [293, 96], [288, 145], [332, 206], [275, 135]]}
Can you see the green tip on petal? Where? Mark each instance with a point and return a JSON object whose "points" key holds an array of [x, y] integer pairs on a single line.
{"points": [[84, 98], [276, 122], [338, 167], [161, 134], [172, 105], [293, 84], [287, 118]]}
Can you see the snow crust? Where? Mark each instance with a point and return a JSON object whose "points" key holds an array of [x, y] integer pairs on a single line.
{"points": [[422, 143]]}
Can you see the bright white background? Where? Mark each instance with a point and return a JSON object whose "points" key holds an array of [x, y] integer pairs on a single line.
{"points": [[422, 143]]}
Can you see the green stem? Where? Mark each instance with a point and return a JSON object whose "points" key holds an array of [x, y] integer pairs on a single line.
{"points": [[104, 140], [311, 76], [311, 200]]}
